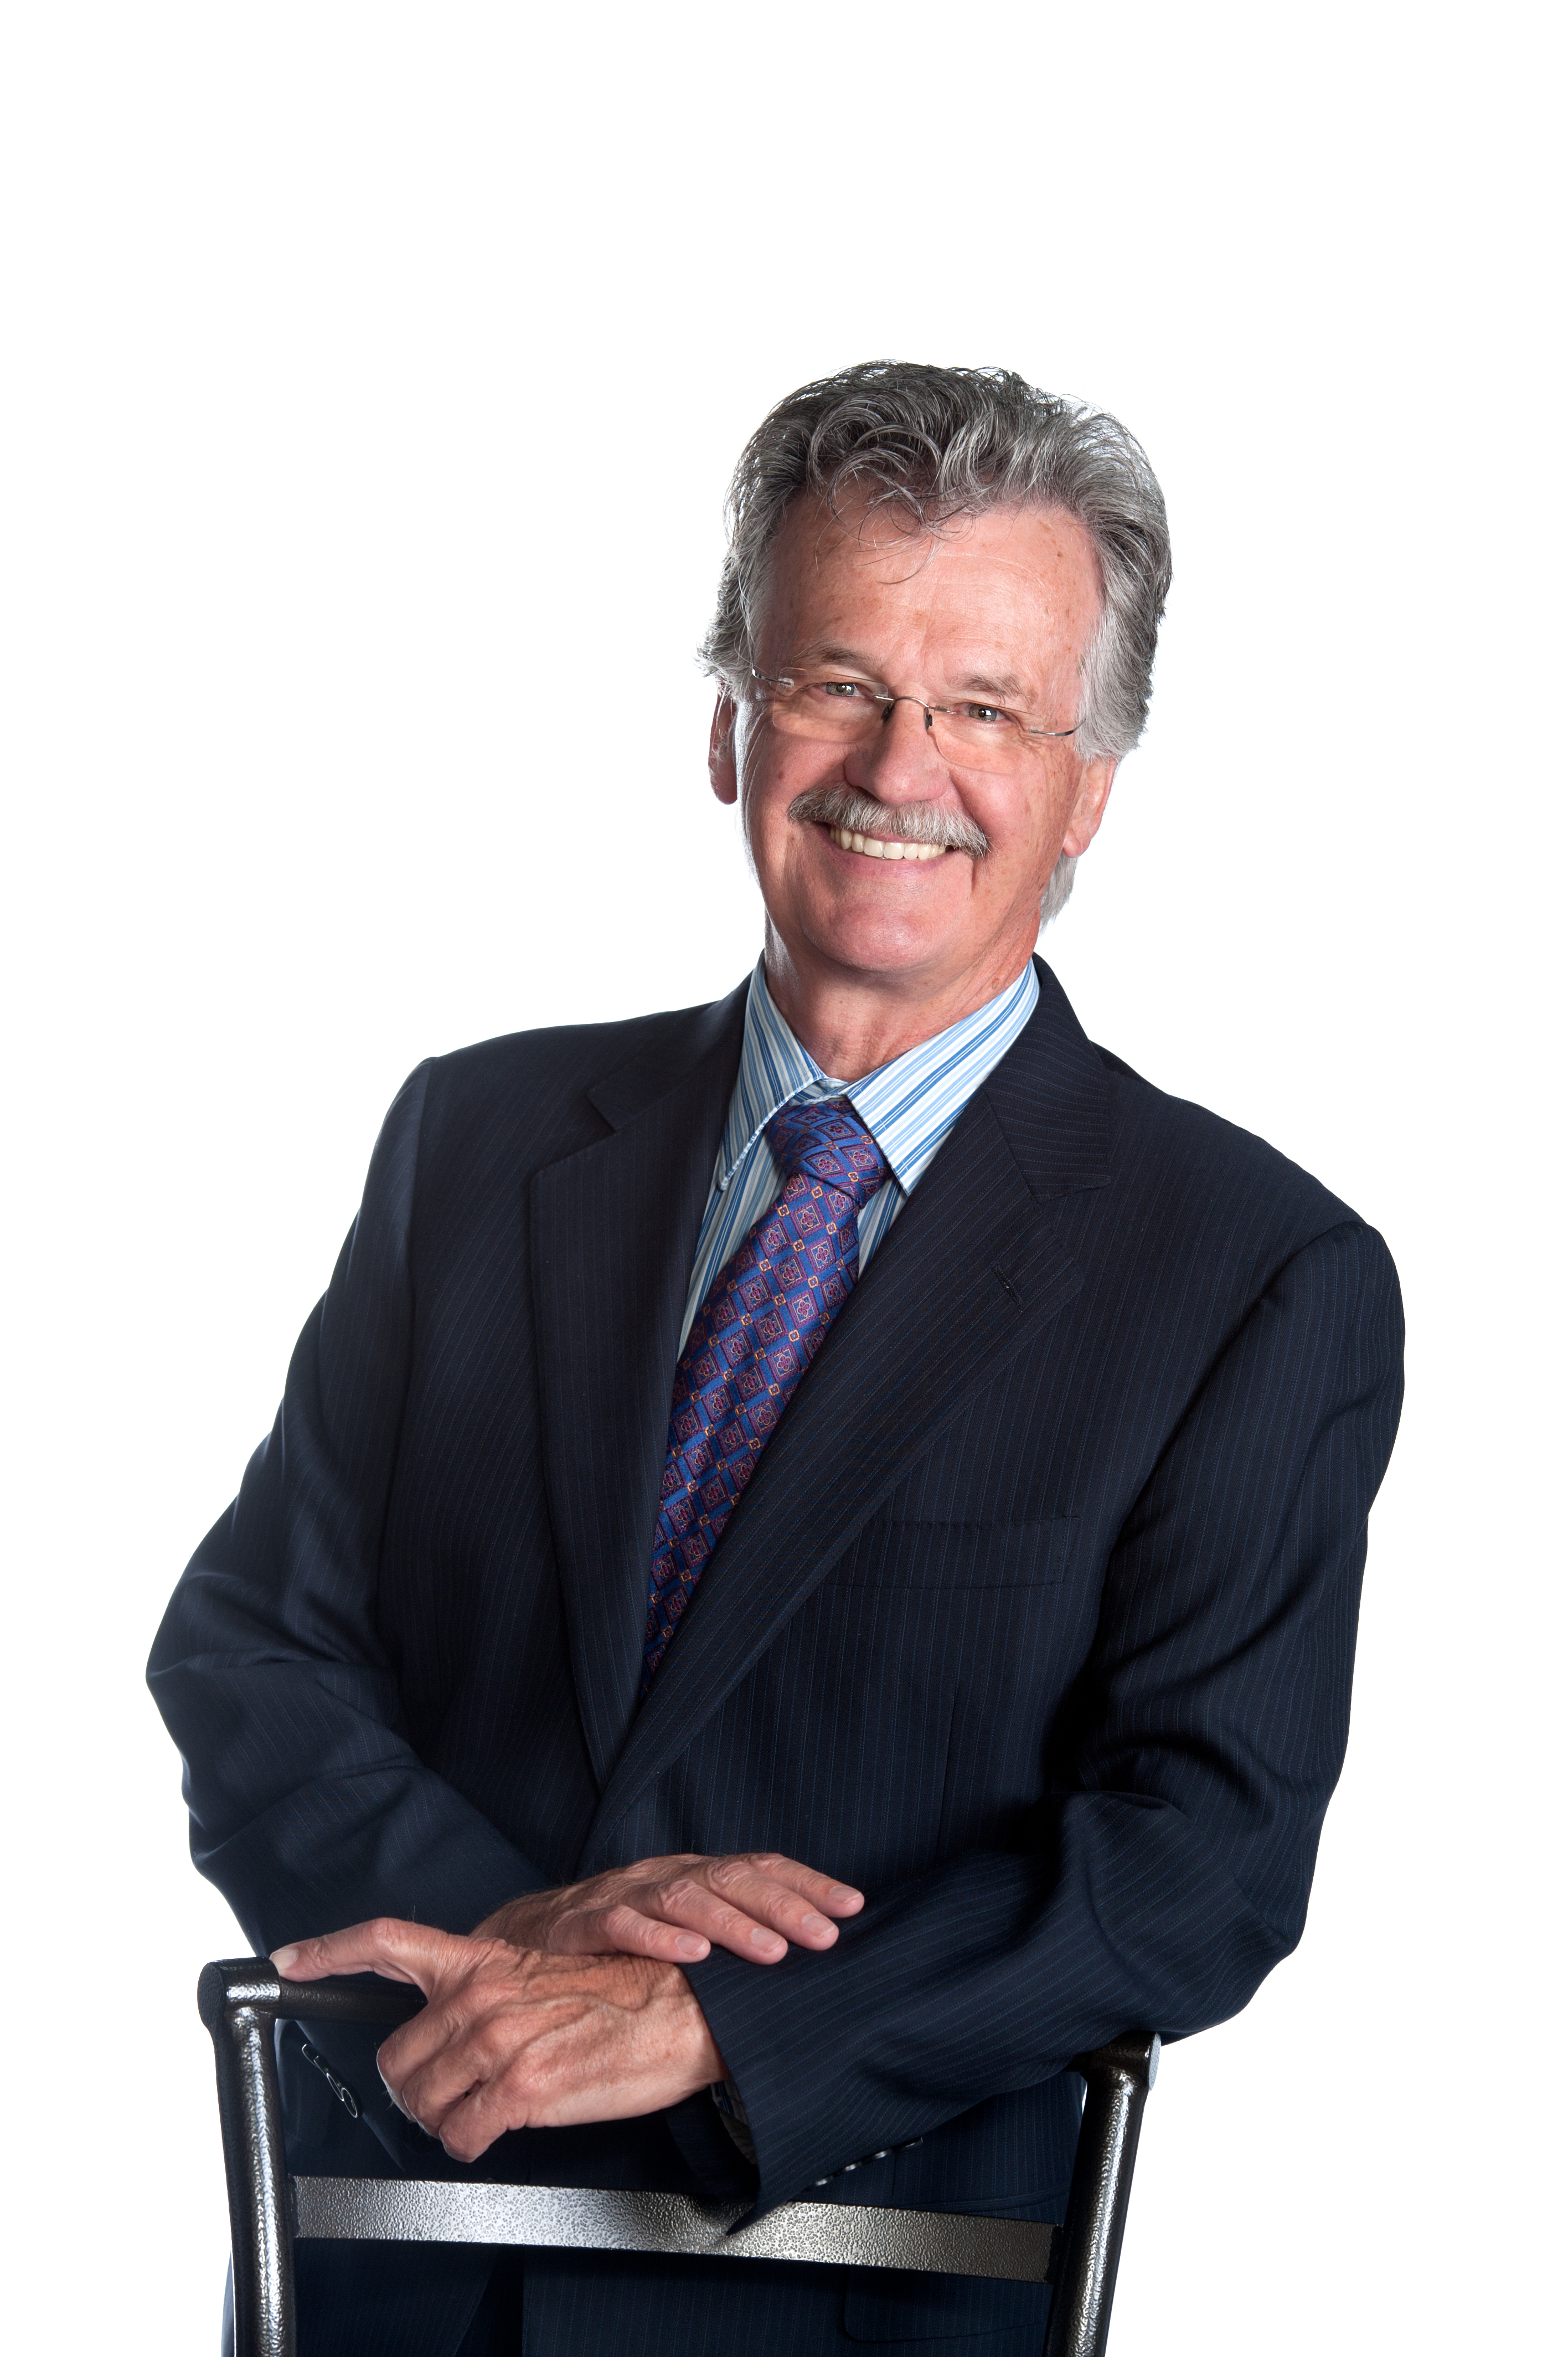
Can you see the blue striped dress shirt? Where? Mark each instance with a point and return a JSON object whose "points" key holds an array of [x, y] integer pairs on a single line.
{"points": [[908, 1105]]}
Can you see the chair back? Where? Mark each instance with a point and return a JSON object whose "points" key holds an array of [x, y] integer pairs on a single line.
{"points": [[241, 2001]]}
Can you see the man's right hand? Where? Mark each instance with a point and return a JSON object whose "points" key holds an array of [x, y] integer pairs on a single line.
{"points": [[677, 1909]]}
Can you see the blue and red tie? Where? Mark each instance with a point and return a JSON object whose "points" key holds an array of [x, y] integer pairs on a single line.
{"points": [[766, 1318]]}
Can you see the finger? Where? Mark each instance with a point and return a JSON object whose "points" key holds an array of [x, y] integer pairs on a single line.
{"points": [[476, 2051], [464, 2135], [821, 1894], [749, 1910], [441, 2030], [595, 2080], [471, 2125], [700, 1913], [623, 1929], [822, 1890], [398, 1951], [784, 1912]]}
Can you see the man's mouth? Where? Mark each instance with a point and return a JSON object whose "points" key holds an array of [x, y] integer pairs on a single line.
{"points": [[873, 846], [873, 830]]}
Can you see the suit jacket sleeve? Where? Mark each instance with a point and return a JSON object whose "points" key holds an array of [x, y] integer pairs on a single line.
{"points": [[308, 1806], [1167, 1870]]}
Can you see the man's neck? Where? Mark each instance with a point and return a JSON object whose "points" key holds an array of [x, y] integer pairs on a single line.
{"points": [[854, 1024]]}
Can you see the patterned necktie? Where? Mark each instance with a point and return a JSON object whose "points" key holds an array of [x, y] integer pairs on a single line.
{"points": [[766, 1318]]}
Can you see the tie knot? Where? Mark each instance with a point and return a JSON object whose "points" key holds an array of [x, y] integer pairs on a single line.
{"points": [[827, 1140]]}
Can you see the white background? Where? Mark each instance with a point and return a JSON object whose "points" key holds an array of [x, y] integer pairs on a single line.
{"points": [[372, 380]]}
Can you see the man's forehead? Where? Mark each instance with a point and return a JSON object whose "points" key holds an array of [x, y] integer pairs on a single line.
{"points": [[991, 575], [873, 529]]}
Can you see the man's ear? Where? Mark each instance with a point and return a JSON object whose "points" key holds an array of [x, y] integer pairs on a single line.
{"points": [[1093, 793], [720, 749]]}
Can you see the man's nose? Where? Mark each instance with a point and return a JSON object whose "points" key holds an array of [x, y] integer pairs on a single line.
{"points": [[900, 763]]}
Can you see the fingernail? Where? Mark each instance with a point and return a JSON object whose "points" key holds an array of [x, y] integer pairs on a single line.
{"points": [[769, 1940], [842, 1890], [816, 1924], [689, 1945], [285, 1960]]}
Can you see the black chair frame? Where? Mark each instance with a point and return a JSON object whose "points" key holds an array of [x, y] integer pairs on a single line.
{"points": [[241, 2001]]}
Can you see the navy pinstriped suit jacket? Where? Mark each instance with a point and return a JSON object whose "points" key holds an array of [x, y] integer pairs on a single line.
{"points": [[1035, 1621]]}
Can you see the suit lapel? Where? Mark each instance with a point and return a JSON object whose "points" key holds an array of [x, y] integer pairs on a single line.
{"points": [[614, 1231], [969, 1273]]}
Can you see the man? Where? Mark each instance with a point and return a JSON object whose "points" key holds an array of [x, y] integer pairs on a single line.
{"points": [[808, 1566]]}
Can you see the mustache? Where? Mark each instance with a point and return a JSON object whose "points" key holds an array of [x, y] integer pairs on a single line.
{"points": [[846, 806]]}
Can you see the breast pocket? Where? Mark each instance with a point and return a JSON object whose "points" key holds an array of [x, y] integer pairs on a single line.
{"points": [[958, 1555]]}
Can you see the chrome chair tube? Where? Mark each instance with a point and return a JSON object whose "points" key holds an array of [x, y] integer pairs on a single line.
{"points": [[240, 2002], [1118, 2078]]}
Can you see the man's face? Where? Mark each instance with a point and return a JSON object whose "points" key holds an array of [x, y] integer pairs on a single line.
{"points": [[999, 606]]}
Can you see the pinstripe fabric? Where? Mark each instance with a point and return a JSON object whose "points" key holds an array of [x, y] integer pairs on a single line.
{"points": [[908, 1105], [1036, 1620], [673, 2308]]}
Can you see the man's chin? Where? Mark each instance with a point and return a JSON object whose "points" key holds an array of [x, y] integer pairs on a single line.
{"points": [[876, 947]]}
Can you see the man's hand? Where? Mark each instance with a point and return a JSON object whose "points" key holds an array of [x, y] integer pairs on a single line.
{"points": [[510, 2038], [677, 1908]]}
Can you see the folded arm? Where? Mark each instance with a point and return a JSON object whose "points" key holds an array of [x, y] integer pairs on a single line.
{"points": [[310, 1806], [1166, 1869], [560, 2009]]}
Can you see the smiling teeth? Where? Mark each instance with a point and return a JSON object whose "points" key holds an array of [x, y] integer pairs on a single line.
{"points": [[874, 847]]}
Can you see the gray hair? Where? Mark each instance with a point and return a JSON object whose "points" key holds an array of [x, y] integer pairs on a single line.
{"points": [[932, 445]]}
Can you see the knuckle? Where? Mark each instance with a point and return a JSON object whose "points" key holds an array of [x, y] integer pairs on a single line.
{"points": [[725, 1872], [488, 2045], [519, 2081]]}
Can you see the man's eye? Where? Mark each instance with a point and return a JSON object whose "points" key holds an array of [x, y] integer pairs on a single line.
{"points": [[842, 691], [986, 716]]}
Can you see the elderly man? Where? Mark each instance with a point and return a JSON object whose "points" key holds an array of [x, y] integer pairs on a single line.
{"points": [[806, 1570]]}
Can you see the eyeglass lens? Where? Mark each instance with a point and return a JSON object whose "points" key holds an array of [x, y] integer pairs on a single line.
{"points": [[974, 735]]}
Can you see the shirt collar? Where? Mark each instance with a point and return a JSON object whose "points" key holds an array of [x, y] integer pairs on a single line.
{"points": [[908, 1105]]}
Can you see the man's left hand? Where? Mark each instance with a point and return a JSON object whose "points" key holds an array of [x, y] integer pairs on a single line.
{"points": [[511, 2038]]}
